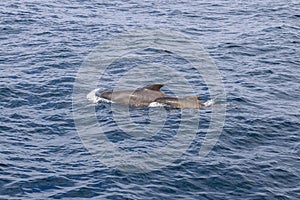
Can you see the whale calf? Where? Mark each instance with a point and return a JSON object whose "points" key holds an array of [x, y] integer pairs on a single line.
{"points": [[151, 96], [180, 102]]}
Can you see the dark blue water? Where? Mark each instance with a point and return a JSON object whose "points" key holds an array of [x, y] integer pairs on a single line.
{"points": [[255, 45]]}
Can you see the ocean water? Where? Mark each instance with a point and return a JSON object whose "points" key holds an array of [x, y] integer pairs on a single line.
{"points": [[255, 46]]}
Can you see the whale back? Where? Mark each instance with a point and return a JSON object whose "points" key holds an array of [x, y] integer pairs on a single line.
{"points": [[140, 97], [183, 102], [154, 87], [146, 95]]}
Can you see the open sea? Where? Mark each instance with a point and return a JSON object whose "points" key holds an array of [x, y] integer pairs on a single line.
{"points": [[255, 46]]}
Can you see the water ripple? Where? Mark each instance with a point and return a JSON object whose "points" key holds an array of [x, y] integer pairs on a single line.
{"points": [[255, 46]]}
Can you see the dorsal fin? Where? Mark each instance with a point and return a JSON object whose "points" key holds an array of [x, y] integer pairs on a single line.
{"points": [[155, 87]]}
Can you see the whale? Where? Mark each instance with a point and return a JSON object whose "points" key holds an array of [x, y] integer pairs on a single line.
{"points": [[140, 97], [151, 96], [180, 102]]}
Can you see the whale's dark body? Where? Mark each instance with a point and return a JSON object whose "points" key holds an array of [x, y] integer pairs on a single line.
{"points": [[180, 102], [143, 97]]}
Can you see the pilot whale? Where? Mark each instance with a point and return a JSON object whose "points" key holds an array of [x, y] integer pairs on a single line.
{"points": [[140, 97], [180, 102], [150, 96]]}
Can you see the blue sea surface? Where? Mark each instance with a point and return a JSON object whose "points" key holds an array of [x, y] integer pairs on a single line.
{"points": [[254, 44]]}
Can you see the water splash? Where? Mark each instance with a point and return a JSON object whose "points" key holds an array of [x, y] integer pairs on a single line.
{"points": [[94, 98]]}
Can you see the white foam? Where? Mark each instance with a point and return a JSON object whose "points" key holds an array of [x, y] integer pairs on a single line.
{"points": [[209, 103], [92, 97], [155, 104]]}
